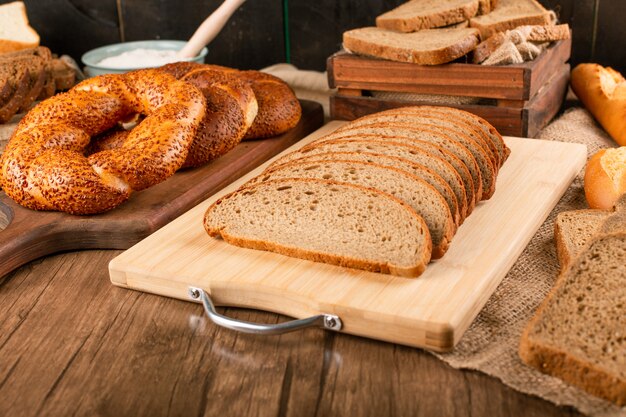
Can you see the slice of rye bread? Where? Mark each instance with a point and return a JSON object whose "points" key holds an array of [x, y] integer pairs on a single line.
{"points": [[450, 118], [487, 47], [416, 15], [417, 193], [420, 171], [20, 83], [510, 14], [410, 137], [37, 71], [578, 333], [426, 47], [489, 133], [411, 154], [447, 131], [545, 33], [324, 221], [573, 230], [486, 6]]}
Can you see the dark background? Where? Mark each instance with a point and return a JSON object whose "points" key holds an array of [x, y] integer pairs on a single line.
{"points": [[264, 32]]}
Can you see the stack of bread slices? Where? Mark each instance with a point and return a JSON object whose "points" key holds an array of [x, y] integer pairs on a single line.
{"points": [[430, 32], [384, 193]]}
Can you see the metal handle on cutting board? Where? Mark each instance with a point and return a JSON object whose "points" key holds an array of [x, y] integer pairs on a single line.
{"points": [[325, 321]]}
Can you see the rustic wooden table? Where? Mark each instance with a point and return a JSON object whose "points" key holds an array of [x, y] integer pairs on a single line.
{"points": [[73, 344]]}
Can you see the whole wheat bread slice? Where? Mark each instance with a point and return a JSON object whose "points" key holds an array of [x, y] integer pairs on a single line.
{"points": [[323, 221], [411, 154], [448, 129], [510, 14], [417, 15], [578, 333], [426, 47], [418, 194], [575, 228], [420, 171], [410, 137]]}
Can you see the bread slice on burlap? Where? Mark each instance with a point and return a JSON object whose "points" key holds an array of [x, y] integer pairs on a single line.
{"points": [[578, 333], [420, 171], [324, 221], [510, 14], [411, 154], [418, 194], [449, 132], [572, 231], [417, 15], [426, 47], [410, 137], [575, 228]]}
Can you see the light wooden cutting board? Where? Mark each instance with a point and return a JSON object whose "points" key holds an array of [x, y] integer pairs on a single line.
{"points": [[431, 311]]}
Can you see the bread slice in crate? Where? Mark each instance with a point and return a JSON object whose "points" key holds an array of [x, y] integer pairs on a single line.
{"points": [[426, 47], [510, 14], [426, 14]]}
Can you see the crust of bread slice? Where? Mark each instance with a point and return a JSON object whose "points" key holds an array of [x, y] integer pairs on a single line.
{"points": [[427, 14]]}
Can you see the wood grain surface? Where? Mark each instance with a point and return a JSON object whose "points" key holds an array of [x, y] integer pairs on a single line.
{"points": [[71, 344], [31, 234], [431, 311]]}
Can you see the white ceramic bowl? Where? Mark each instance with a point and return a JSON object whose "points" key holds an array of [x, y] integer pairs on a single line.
{"points": [[92, 58]]}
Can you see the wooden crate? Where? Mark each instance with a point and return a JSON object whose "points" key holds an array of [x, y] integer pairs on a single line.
{"points": [[518, 100]]}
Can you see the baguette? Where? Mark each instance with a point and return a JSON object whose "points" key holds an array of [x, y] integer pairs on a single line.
{"points": [[603, 92], [605, 178]]}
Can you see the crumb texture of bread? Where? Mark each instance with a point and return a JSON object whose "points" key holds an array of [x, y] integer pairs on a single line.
{"points": [[426, 47], [340, 224], [417, 15], [579, 333], [418, 194], [573, 230]]}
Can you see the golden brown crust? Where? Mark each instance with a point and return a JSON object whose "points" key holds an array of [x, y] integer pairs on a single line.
{"points": [[600, 189], [44, 167]]}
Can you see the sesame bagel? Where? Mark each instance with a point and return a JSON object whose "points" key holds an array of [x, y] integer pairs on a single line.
{"points": [[44, 166]]}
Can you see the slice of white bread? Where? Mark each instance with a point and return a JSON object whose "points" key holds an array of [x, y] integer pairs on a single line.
{"points": [[412, 154], [340, 224], [416, 15], [420, 171], [578, 333], [15, 32], [426, 47], [510, 14], [418, 194]]}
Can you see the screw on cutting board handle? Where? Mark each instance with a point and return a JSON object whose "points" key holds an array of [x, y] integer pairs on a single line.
{"points": [[325, 321]]}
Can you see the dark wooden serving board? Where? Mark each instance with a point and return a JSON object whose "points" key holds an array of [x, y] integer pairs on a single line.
{"points": [[32, 234]]}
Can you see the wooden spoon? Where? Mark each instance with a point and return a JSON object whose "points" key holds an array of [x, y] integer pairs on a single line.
{"points": [[210, 28]]}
